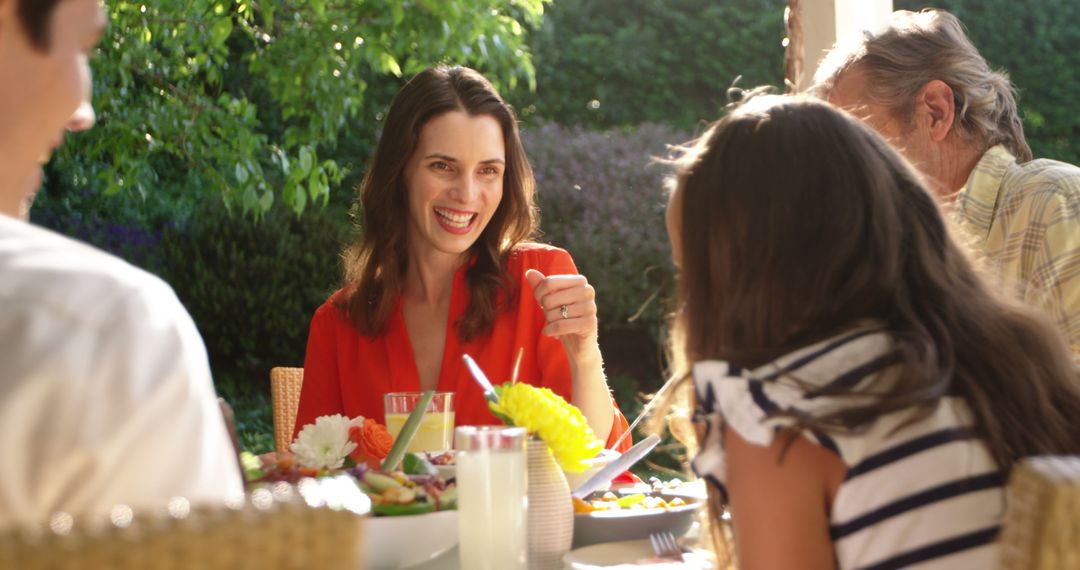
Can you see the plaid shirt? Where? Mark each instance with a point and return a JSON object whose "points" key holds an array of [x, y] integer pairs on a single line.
{"points": [[1026, 218]]}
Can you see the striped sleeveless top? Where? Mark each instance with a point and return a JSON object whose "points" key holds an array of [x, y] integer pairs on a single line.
{"points": [[922, 495]]}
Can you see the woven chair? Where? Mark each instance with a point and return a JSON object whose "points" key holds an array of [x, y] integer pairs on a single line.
{"points": [[285, 386], [1042, 523], [311, 525]]}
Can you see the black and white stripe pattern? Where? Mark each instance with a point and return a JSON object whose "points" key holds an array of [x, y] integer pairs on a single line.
{"points": [[923, 494]]}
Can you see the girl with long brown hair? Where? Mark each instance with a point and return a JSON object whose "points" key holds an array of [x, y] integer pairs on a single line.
{"points": [[443, 268], [861, 393]]}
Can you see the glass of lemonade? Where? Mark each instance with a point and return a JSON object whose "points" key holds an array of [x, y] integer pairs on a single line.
{"points": [[436, 431], [491, 479]]}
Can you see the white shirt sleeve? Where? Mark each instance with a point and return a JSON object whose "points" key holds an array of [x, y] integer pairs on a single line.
{"points": [[112, 404]]}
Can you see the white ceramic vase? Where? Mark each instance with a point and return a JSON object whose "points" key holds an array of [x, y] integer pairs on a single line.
{"points": [[551, 512]]}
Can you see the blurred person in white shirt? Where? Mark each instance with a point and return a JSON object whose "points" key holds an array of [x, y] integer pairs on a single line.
{"points": [[105, 390]]}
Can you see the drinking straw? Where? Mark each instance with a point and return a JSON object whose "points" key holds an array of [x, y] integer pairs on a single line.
{"points": [[517, 365], [405, 436]]}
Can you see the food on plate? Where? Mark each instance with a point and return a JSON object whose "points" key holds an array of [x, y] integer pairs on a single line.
{"points": [[441, 457], [416, 489], [659, 485], [396, 493], [611, 502]]}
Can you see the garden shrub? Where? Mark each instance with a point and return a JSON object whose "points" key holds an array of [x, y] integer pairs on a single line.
{"points": [[125, 224], [126, 239], [604, 63], [253, 287]]}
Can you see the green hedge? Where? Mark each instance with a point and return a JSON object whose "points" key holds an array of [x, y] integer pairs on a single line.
{"points": [[252, 287], [637, 61]]}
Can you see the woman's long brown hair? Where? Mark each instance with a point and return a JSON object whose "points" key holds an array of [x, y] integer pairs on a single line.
{"points": [[375, 265], [797, 222]]}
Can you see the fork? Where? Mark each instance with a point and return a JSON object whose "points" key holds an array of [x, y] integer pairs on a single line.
{"points": [[665, 546]]}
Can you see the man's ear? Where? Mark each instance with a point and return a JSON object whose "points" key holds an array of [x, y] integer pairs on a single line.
{"points": [[935, 107]]}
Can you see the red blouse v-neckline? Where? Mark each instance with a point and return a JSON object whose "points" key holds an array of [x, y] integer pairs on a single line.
{"points": [[405, 376]]}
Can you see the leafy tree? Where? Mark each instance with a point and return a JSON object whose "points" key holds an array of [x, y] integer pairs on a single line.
{"points": [[248, 99]]}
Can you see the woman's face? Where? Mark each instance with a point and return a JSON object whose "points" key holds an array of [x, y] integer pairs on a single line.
{"points": [[454, 181]]}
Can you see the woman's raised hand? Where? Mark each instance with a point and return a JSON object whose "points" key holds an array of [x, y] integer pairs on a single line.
{"points": [[569, 304]]}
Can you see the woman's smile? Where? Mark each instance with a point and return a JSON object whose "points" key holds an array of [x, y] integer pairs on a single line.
{"points": [[455, 221]]}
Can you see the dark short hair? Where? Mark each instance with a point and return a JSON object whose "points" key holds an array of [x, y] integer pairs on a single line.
{"points": [[35, 15]]}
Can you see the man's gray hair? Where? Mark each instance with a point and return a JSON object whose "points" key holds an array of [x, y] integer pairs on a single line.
{"points": [[919, 47]]}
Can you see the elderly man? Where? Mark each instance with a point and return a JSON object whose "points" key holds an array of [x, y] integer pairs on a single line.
{"points": [[922, 84], [105, 391]]}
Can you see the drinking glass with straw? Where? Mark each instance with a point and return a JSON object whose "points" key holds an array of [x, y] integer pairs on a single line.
{"points": [[436, 430], [408, 431]]}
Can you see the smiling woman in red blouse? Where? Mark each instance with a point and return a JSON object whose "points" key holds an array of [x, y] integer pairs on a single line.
{"points": [[443, 268]]}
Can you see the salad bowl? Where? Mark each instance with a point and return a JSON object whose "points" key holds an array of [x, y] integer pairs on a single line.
{"points": [[408, 540]]}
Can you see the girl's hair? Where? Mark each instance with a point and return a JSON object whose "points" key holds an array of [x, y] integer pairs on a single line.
{"points": [[375, 265], [798, 222]]}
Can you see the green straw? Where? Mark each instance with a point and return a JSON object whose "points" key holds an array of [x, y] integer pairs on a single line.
{"points": [[397, 452]]}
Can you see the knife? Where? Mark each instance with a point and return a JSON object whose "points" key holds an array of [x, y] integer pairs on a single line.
{"points": [[624, 462], [481, 379]]}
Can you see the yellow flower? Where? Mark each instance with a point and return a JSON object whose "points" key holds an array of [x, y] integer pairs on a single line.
{"points": [[547, 415]]}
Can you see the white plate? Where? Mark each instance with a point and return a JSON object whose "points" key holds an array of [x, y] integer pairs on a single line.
{"points": [[400, 542], [631, 555], [632, 524]]}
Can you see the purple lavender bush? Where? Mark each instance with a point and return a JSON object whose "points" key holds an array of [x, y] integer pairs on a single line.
{"points": [[602, 198]]}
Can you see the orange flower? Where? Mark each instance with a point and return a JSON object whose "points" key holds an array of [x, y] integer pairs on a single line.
{"points": [[372, 441]]}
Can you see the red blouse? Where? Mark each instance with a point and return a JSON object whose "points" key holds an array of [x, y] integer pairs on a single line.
{"points": [[347, 373]]}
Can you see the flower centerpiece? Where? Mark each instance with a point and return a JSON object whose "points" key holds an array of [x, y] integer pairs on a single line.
{"points": [[562, 441], [332, 441], [547, 415]]}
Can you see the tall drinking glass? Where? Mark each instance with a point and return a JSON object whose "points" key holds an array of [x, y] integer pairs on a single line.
{"points": [[491, 480], [436, 429]]}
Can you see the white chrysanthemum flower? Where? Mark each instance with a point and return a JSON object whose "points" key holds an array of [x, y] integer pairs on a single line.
{"points": [[325, 444]]}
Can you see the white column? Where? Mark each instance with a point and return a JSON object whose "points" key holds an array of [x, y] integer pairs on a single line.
{"points": [[824, 22]]}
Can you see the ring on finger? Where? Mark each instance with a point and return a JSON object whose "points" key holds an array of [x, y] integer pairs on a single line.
{"points": [[564, 312]]}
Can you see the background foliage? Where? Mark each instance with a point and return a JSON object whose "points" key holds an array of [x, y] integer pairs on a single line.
{"points": [[247, 100], [253, 287], [604, 63]]}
